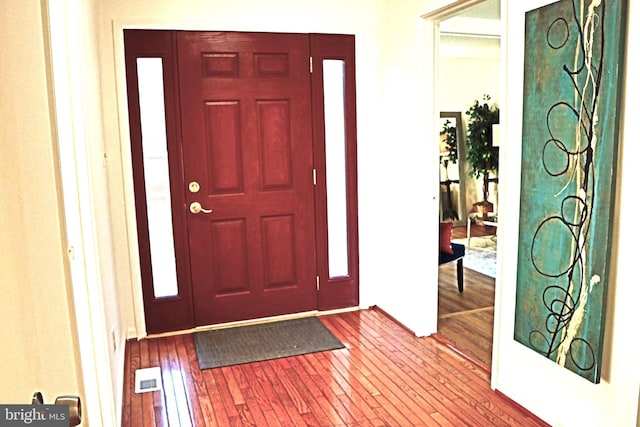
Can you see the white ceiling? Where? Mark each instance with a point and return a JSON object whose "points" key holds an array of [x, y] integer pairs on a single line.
{"points": [[481, 20], [489, 9]]}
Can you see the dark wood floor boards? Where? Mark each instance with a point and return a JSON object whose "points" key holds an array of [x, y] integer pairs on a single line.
{"points": [[196, 381], [461, 384], [384, 377], [130, 407], [333, 382], [217, 383], [392, 381], [465, 319], [263, 404], [318, 408], [148, 404], [389, 401], [423, 371], [358, 387]]}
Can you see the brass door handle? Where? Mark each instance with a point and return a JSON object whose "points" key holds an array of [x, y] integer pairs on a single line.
{"points": [[196, 208]]}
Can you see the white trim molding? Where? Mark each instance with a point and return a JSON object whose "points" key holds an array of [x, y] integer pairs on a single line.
{"points": [[70, 116]]}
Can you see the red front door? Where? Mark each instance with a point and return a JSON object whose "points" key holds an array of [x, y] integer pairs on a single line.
{"points": [[249, 223], [248, 159]]}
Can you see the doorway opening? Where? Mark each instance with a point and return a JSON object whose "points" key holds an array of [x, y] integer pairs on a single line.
{"points": [[469, 67]]}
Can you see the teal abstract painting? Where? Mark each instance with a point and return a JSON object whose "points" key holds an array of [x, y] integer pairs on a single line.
{"points": [[572, 90]]}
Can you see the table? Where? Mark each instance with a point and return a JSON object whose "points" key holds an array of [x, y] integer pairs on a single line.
{"points": [[491, 220]]}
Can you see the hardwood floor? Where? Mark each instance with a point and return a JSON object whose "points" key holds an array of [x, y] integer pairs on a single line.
{"points": [[384, 377], [465, 320]]}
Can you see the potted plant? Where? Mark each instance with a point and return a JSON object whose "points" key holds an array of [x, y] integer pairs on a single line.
{"points": [[482, 155], [448, 153], [449, 142]]}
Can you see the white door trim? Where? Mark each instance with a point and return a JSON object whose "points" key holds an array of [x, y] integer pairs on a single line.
{"points": [[69, 118], [433, 17]]}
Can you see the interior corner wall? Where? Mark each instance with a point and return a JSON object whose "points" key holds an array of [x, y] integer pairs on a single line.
{"points": [[406, 156], [115, 332], [555, 394], [39, 349]]}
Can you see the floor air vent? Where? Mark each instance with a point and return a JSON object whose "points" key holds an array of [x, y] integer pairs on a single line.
{"points": [[148, 379]]}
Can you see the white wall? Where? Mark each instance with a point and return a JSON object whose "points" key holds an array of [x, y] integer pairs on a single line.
{"points": [[405, 169], [552, 392], [37, 332], [105, 371], [469, 68], [72, 54]]}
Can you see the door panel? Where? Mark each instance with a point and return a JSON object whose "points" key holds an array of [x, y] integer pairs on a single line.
{"points": [[274, 144], [159, 44], [246, 120], [342, 290], [224, 147]]}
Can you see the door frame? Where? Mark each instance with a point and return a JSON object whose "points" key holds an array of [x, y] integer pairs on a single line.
{"points": [[160, 45], [63, 27], [333, 293], [431, 24]]}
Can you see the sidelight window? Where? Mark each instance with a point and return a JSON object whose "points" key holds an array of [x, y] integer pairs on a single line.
{"points": [[156, 176], [335, 146]]}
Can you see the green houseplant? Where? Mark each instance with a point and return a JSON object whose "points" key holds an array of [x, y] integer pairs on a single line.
{"points": [[449, 141], [481, 154], [448, 154]]}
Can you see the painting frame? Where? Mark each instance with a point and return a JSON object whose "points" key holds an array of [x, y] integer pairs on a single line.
{"points": [[574, 53]]}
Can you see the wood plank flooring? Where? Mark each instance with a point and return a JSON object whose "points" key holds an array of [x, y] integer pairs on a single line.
{"points": [[384, 377], [465, 320]]}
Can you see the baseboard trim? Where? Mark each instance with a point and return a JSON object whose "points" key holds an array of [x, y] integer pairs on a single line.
{"points": [[132, 333], [442, 340], [393, 319], [253, 322], [519, 407]]}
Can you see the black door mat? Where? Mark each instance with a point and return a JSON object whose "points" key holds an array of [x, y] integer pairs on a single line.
{"points": [[265, 341]]}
